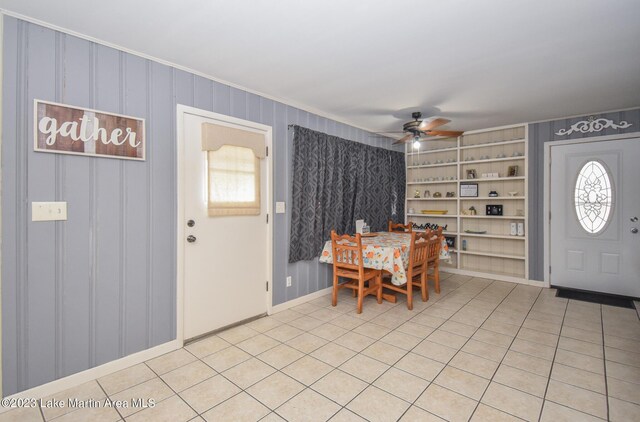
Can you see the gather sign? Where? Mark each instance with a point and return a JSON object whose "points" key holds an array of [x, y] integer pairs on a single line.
{"points": [[65, 129]]}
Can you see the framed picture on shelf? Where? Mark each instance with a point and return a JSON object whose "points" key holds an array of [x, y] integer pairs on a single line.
{"points": [[513, 171], [451, 241], [494, 210], [471, 174], [468, 190]]}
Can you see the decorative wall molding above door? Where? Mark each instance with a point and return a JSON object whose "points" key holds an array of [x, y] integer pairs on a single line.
{"points": [[593, 124]]}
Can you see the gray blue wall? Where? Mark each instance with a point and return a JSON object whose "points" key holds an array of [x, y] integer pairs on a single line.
{"points": [[542, 132], [101, 285]]}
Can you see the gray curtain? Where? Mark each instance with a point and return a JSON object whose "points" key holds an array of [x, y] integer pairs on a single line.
{"points": [[337, 181]]}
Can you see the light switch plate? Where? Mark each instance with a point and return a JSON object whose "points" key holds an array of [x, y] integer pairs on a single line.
{"points": [[48, 211], [280, 208]]}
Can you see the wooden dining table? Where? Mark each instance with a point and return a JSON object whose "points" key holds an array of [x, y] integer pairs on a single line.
{"points": [[386, 251]]}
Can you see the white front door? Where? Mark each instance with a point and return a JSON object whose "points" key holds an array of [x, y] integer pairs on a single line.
{"points": [[595, 212], [225, 257]]}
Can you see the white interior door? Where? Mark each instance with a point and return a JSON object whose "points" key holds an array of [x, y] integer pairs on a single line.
{"points": [[226, 259], [595, 207]]}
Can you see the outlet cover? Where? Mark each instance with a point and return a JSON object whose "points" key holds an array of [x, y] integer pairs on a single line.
{"points": [[288, 281], [280, 208], [48, 211]]}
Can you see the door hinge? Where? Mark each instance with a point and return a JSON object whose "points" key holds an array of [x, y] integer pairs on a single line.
{"points": [[267, 285], [267, 151], [267, 218], [549, 269], [549, 215]]}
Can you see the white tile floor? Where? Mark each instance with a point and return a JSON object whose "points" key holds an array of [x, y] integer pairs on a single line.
{"points": [[481, 350]]}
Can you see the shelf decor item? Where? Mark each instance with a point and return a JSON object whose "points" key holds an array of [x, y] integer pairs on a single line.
{"points": [[451, 241], [494, 210], [493, 193], [471, 174], [476, 231], [429, 226], [513, 171], [468, 190]]}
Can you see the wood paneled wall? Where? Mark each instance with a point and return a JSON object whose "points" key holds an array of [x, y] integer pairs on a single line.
{"points": [[102, 285]]}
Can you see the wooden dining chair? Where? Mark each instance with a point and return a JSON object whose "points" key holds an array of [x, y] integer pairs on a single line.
{"points": [[416, 268], [348, 263], [399, 227], [433, 258]]}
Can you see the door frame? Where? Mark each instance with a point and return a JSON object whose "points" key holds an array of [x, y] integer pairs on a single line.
{"points": [[546, 209], [181, 112]]}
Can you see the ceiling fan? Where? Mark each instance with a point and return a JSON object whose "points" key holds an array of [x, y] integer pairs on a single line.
{"points": [[418, 128]]}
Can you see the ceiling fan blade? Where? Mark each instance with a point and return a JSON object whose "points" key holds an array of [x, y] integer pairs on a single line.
{"points": [[431, 124], [404, 139], [448, 133]]}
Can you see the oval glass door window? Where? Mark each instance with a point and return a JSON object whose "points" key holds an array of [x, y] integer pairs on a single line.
{"points": [[593, 197]]}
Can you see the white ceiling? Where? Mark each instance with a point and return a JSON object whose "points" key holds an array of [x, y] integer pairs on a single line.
{"points": [[370, 63]]}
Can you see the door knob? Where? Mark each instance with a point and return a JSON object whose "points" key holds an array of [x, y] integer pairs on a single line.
{"points": [[634, 230], [634, 219], [191, 223], [191, 238]]}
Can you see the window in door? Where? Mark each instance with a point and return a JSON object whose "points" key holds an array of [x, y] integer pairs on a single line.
{"points": [[233, 181], [593, 197]]}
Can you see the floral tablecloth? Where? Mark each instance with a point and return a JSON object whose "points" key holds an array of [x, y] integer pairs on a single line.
{"points": [[386, 251]]}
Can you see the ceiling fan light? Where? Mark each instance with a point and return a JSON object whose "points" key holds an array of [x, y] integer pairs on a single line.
{"points": [[416, 143]]}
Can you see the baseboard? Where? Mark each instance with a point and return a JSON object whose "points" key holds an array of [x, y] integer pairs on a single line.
{"points": [[299, 301], [91, 374], [491, 276], [311, 296]]}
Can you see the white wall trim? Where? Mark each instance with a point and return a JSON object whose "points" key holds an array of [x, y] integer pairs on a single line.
{"points": [[286, 101], [311, 296], [546, 241], [181, 112], [91, 374], [490, 276], [1, 130], [300, 300]]}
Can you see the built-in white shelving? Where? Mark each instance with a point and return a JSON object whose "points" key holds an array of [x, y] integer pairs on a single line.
{"points": [[491, 144], [434, 215], [497, 252]]}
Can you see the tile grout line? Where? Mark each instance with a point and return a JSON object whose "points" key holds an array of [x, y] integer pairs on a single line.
{"points": [[371, 384], [277, 370], [341, 407], [553, 361], [170, 388], [479, 401], [374, 339], [337, 368], [107, 396], [604, 363], [447, 363]]}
